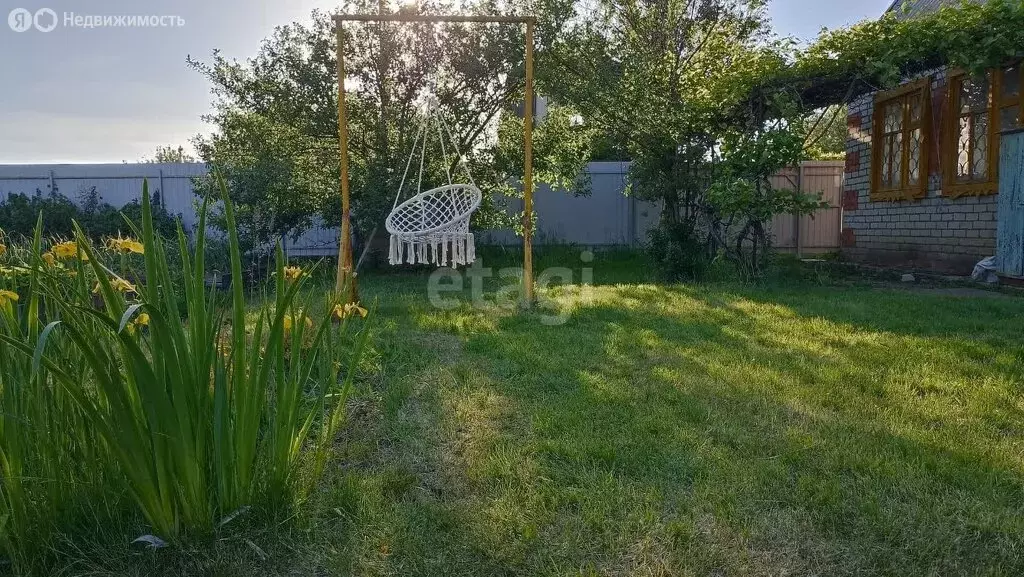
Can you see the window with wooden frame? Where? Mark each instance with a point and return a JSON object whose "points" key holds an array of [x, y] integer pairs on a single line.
{"points": [[899, 158], [980, 108]]}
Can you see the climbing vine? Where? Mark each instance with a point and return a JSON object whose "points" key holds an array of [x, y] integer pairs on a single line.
{"points": [[880, 53]]}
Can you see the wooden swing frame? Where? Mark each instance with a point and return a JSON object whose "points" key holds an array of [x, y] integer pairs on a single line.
{"points": [[346, 280]]}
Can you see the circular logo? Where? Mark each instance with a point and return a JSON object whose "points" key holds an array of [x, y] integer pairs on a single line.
{"points": [[45, 20], [20, 19]]}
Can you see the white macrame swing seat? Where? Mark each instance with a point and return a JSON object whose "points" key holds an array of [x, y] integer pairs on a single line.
{"points": [[432, 227]]}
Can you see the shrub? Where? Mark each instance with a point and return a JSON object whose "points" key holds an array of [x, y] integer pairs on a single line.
{"points": [[107, 390], [99, 219], [678, 252]]}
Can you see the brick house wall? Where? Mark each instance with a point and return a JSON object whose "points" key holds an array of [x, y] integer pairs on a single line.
{"points": [[934, 233]]}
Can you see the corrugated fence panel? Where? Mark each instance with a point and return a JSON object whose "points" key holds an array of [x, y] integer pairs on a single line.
{"points": [[317, 241], [605, 217], [115, 184], [601, 218]]}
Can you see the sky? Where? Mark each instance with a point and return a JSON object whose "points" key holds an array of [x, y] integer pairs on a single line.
{"points": [[75, 94]]}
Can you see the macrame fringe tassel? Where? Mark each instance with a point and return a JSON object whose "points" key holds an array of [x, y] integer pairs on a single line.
{"points": [[394, 254], [450, 249]]}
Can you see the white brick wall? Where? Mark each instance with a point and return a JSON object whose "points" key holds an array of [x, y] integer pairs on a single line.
{"points": [[932, 233]]}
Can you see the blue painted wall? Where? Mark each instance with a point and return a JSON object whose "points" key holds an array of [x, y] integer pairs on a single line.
{"points": [[1010, 231]]}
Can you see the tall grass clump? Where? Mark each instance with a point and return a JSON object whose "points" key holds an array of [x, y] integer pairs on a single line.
{"points": [[111, 394]]}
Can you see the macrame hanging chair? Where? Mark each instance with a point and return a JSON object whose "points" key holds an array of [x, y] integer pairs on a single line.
{"points": [[432, 227]]}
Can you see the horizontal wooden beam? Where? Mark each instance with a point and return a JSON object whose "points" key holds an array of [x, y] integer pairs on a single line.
{"points": [[432, 18]]}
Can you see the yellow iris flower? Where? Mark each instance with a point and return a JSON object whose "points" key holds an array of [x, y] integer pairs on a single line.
{"points": [[288, 323], [292, 273], [69, 249], [348, 310], [118, 284], [125, 245], [140, 321]]}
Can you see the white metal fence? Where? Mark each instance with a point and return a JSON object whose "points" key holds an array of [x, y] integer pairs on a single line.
{"points": [[120, 184], [116, 184], [605, 217]]}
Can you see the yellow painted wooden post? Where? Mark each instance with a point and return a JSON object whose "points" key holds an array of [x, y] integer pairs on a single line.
{"points": [[346, 278], [528, 295]]}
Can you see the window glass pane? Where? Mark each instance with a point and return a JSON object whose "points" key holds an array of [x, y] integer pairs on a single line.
{"points": [[963, 147], [974, 94], [1009, 118], [897, 160], [980, 156], [915, 107], [1011, 81], [887, 163], [914, 168], [894, 117]]}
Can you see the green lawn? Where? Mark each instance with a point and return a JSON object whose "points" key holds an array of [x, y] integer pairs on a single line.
{"points": [[668, 430]]}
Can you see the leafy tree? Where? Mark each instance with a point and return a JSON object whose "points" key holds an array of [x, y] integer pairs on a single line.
{"points": [[277, 130], [673, 81], [876, 54], [170, 154], [825, 133], [708, 103]]}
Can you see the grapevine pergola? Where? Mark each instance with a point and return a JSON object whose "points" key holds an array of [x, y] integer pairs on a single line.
{"points": [[346, 278]]}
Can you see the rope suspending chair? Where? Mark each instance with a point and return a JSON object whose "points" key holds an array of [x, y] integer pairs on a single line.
{"points": [[432, 227]]}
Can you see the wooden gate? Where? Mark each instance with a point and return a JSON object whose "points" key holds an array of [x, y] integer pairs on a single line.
{"points": [[1010, 230], [817, 233]]}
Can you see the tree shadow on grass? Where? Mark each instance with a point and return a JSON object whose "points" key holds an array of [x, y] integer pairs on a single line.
{"points": [[897, 310], [748, 445], [713, 431]]}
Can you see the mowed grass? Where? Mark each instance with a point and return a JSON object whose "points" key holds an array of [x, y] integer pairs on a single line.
{"points": [[717, 429]]}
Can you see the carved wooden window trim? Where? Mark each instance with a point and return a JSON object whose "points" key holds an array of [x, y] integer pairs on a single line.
{"points": [[901, 132], [1002, 111]]}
